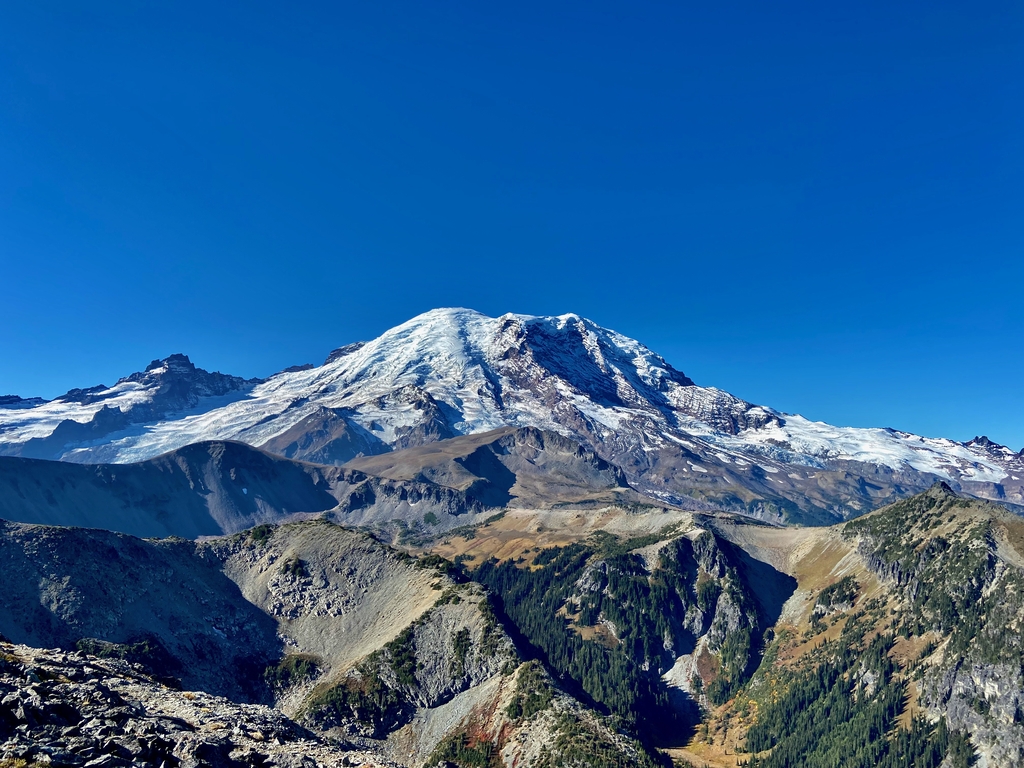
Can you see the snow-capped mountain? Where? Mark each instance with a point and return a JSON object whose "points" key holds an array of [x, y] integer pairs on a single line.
{"points": [[451, 372], [168, 388]]}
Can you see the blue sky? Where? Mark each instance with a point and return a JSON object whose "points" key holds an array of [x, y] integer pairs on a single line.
{"points": [[815, 206]]}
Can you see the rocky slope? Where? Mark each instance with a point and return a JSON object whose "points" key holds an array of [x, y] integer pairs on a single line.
{"points": [[509, 467], [162, 603], [350, 639], [454, 372], [72, 709]]}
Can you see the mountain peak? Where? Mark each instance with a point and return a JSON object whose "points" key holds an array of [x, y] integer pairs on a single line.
{"points": [[982, 441], [463, 316], [990, 447], [941, 490], [176, 361]]}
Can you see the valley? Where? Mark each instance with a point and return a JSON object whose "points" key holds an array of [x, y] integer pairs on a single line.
{"points": [[691, 632]]}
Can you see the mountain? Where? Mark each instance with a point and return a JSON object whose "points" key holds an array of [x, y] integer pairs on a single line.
{"points": [[578, 573], [168, 388], [899, 647], [452, 372]]}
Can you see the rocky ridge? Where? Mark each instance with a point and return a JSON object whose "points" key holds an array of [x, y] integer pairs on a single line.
{"points": [[207, 489]]}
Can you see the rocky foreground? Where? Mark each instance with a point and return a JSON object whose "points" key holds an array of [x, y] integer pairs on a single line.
{"points": [[72, 709]]}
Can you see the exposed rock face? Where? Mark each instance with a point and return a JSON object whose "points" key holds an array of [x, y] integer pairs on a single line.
{"points": [[933, 587], [526, 721], [347, 349], [14, 401], [458, 644], [674, 605], [961, 578], [985, 700], [104, 421], [425, 421], [325, 436], [173, 383], [454, 646]]}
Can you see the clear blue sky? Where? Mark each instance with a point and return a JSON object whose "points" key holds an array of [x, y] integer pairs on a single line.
{"points": [[816, 206]]}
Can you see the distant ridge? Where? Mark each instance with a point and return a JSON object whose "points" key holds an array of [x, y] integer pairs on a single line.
{"points": [[222, 487]]}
